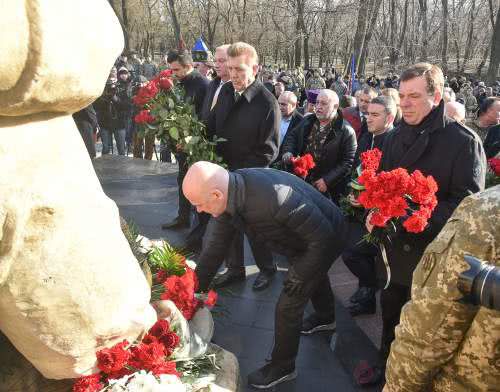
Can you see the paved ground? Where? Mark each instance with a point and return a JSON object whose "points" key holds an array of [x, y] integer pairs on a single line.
{"points": [[146, 193]]}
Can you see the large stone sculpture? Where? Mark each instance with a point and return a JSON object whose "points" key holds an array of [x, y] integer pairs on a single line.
{"points": [[69, 283]]}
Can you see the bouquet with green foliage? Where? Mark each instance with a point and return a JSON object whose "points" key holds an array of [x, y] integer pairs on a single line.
{"points": [[167, 115]]}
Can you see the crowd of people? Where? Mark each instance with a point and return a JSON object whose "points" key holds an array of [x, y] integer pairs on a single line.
{"points": [[419, 119]]}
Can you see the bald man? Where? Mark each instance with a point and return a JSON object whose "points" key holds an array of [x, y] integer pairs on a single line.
{"points": [[330, 140], [455, 110], [293, 219], [290, 117]]}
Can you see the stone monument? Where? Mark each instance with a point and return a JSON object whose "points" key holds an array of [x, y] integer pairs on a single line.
{"points": [[69, 283]]}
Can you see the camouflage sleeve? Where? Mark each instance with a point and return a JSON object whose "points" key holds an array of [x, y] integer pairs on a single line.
{"points": [[433, 323]]}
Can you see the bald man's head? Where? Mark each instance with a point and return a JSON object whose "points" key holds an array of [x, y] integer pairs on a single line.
{"points": [[206, 186], [455, 110]]}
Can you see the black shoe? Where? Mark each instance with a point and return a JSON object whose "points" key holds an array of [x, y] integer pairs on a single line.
{"points": [[270, 375], [227, 278], [365, 307], [314, 324], [263, 280], [361, 294], [177, 223]]}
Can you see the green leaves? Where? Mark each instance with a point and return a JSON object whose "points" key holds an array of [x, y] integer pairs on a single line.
{"points": [[174, 133]]}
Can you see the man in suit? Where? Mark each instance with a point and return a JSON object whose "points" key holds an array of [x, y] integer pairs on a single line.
{"points": [[194, 241], [195, 88], [451, 153], [293, 219], [290, 117], [247, 116], [357, 115]]}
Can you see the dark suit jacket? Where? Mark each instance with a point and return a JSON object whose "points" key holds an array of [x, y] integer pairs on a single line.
{"points": [[209, 96], [195, 85], [250, 126], [296, 119], [282, 211]]}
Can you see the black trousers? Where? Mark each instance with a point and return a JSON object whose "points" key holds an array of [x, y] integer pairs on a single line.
{"points": [[184, 204], [261, 253], [392, 300], [290, 311], [360, 259]]}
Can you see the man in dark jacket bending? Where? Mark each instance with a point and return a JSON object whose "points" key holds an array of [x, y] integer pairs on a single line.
{"points": [[293, 219]]}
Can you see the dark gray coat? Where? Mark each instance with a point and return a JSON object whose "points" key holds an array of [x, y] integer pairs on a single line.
{"points": [[284, 212]]}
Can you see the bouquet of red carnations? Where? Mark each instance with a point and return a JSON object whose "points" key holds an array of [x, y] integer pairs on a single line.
{"points": [[396, 195], [124, 365], [301, 165], [176, 281]]}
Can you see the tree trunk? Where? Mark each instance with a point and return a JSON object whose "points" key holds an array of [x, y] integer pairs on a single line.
{"points": [[298, 43], [468, 45], [359, 37], [175, 20], [444, 48], [324, 28], [495, 52], [371, 27], [480, 67], [125, 25], [425, 32], [394, 31]]}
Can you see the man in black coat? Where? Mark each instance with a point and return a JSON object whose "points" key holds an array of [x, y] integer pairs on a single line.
{"points": [[330, 140], [427, 141], [360, 258], [247, 116], [195, 88], [293, 219]]}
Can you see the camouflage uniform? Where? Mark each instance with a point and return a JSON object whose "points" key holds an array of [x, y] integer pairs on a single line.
{"points": [[442, 344], [315, 82]]}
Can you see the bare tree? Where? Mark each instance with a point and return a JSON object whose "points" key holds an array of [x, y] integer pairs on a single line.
{"points": [[495, 51]]}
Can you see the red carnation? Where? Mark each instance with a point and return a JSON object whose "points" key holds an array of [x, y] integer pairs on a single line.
{"points": [[416, 222], [211, 299], [170, 341], [167, 367], [370, 160], [161, 276], [302, 165], [494, 164], [119, 374], [88, 383], [180, 290], [110, 360], [148, 339], [160, 328], [379, 220], [147, 356]]}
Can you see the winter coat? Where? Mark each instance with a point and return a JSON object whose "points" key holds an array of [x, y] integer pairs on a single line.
{"points": [[282, 211], [447, 151]]}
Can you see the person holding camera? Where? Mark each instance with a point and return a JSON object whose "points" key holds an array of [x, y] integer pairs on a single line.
{"points": [[444, 343], [113, 110]]}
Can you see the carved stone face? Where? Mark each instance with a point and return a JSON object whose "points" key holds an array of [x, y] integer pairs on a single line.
{"points": [[49, 46]]}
